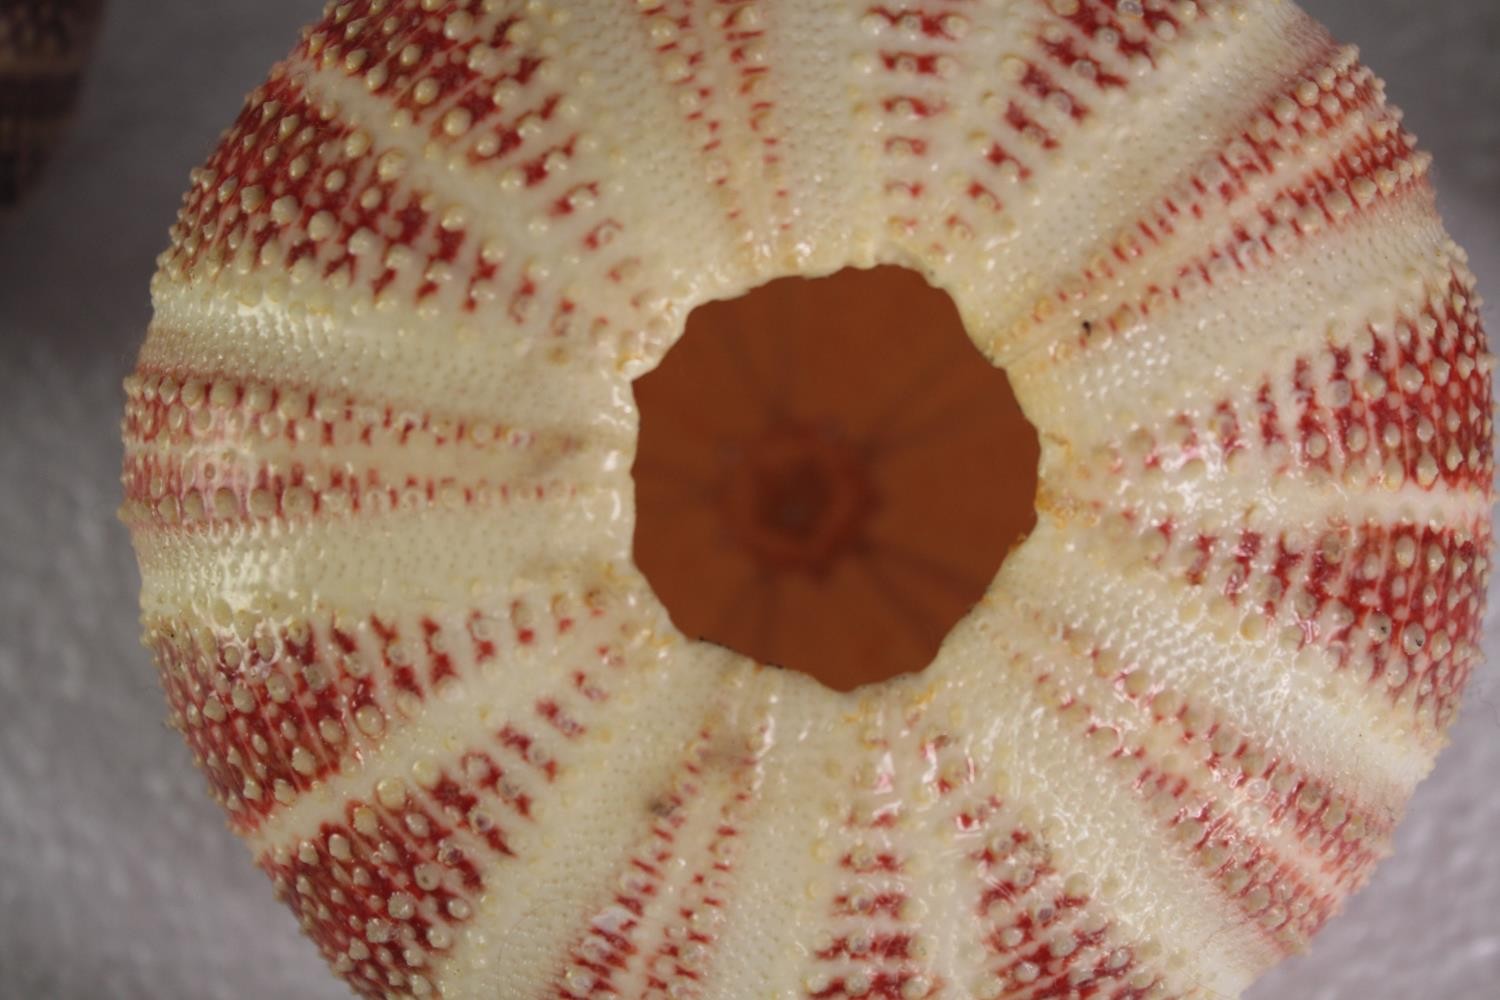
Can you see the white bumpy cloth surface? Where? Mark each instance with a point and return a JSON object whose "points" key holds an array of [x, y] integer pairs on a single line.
{"points": [[117, 878]]}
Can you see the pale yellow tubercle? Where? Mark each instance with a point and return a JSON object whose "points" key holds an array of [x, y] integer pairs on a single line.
{"points": [[378, 458]]}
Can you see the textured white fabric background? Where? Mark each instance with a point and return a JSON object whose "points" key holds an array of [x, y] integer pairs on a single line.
{"points": [[117, 877]]}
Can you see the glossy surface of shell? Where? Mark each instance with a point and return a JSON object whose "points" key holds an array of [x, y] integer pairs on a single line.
{"points": [[377, 471]]}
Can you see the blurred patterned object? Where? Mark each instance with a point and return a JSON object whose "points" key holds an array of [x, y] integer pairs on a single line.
{"points": [[44, 47]]}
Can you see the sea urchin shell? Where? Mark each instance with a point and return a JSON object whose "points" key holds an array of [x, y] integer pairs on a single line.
{"points": [[377, 474]]}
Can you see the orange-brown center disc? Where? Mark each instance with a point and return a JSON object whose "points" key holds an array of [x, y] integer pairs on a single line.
{"points": [[829, 474]]}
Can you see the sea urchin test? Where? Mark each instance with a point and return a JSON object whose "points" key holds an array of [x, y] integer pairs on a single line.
{"points": [[377, 473]]}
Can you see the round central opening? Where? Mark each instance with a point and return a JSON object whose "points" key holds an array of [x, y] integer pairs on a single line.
{"points": [[829, 474]]}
